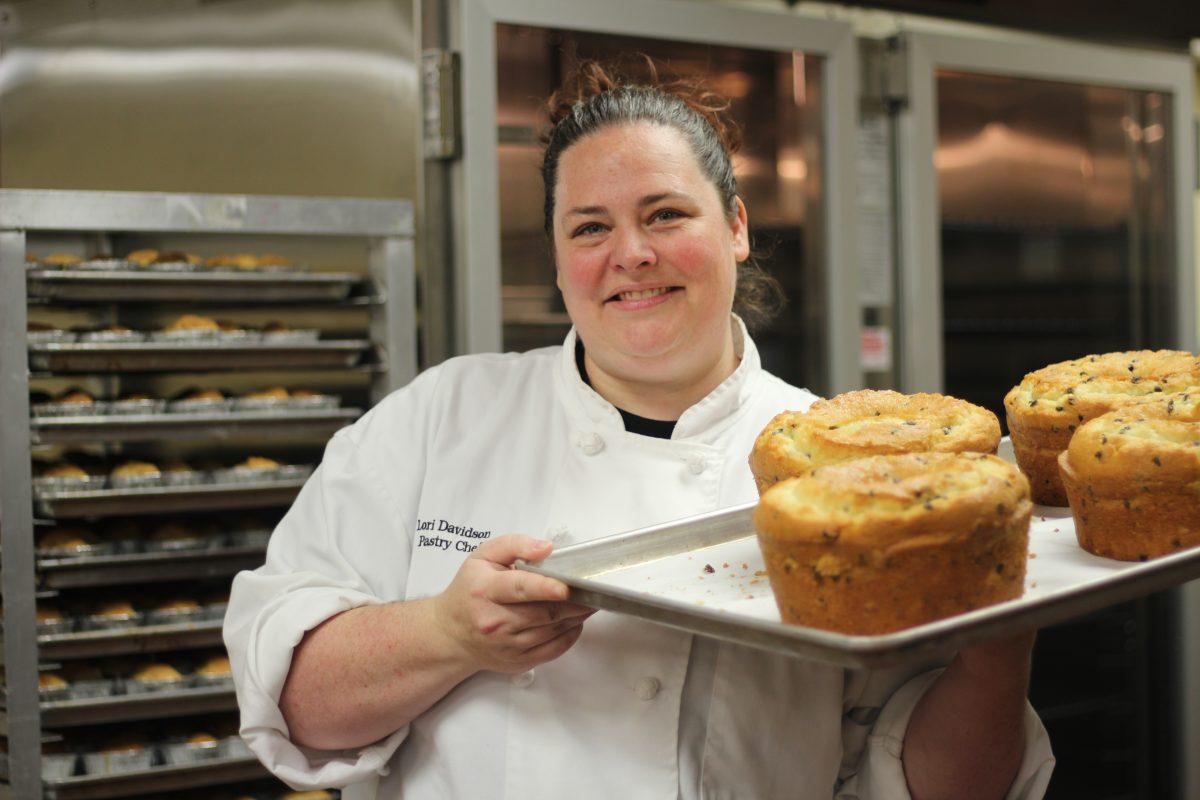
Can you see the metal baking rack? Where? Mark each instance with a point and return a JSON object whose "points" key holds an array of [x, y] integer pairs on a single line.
{"points": [[384, 359]]}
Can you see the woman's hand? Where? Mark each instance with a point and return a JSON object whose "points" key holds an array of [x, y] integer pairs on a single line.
{"points": [[508, 620]]}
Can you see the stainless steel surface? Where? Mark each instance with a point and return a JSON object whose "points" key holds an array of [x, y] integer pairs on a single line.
{"points": [[1036, 58], [125, 708], [167, 500], [477, 179], [49, 209], [159, 427], [16, 526], [120, 570], [128, 641], [392, 269], [126, 286], [160, 356], [664, 565], [158, 779]]}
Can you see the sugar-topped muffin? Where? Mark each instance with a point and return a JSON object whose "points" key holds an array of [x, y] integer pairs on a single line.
{"points": [[865, 423], [883, 543], [1047, 406], [1131, 478]]}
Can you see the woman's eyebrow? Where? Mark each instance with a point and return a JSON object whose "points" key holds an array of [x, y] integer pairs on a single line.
{"points": [[648, 200]]}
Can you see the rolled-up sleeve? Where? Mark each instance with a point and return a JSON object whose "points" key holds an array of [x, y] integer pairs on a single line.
{"points": [[873, 739], [345, 542]]}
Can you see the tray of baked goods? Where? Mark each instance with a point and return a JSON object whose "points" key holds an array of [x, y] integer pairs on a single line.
{"points": [[190, 342], [898, 527], [76, 486]]}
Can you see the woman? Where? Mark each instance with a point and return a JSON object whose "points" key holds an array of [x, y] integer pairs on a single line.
{"points": [[422, 660]]}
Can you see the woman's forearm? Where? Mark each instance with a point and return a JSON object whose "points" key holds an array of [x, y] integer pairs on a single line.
{"points": [[367, 672], [966, 736]]}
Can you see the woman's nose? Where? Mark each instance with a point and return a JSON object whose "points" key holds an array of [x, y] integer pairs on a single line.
{"points": [[632, 250]]}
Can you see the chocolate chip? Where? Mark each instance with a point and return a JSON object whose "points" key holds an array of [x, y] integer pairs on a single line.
{"points": [[709, 569], [1157, 461]]}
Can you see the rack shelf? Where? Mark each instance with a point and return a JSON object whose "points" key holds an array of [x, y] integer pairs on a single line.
{"points": [[157, 779], [160, 427], [79, 286], [74, 573], [125, 708], [129, 641], [168, 500], [209, 356]]}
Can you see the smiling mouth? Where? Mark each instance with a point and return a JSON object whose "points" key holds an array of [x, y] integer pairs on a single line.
{"points": [[643, 294]]}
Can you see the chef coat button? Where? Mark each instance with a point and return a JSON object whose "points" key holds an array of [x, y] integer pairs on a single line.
{"points": [[647, 688], [696, 465], [522, 679], [591, 443]]}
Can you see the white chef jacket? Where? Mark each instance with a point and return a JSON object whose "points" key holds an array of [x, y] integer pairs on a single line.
{"points": [[485, 445]]}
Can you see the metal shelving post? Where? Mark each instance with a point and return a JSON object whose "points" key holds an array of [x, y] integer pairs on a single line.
{"points": [[388, 227]]}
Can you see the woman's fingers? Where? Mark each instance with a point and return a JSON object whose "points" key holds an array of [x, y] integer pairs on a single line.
{"points": [[536, 615], [518, 586], [550, 649], [504, 550]]}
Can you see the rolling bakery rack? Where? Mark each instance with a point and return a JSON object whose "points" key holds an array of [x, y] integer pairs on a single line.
{"points": [[381, 354]]}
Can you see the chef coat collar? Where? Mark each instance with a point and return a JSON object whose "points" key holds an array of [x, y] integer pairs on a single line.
{"points": [[706, 418]]}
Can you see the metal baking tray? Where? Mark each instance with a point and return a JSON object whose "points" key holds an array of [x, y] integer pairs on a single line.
{"points": [[168, 499], [156, 779], [214, 355], [660, 574], [88, 286], [127, 707], [129, 568], [126, 641], [158, 427]]}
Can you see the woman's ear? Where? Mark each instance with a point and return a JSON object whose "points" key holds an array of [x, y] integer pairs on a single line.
{"points": [[740, 228]]}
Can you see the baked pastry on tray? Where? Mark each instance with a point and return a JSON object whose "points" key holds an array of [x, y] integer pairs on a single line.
{"points": [[1131, 478], [865, 423], [1047, 406], [879, 544]]}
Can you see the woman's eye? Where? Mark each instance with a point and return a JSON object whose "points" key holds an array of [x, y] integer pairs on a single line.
{"points": [[666, 215], [588, 228]]}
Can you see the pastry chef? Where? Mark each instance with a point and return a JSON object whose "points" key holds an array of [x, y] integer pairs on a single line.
{"points": [[387, 646]]}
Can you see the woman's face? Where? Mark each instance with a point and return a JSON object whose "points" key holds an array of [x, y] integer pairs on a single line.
{"points": [[646, 255]]}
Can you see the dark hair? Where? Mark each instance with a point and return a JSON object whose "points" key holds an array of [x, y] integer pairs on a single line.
{"points": [[594, 97]]}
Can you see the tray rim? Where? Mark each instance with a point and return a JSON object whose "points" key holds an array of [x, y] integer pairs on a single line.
{"points": [[862, 651]]}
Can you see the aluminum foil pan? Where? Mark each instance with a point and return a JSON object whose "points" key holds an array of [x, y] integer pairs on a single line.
{"points": [[179, 752], [185, 336], [148, 406], [260, 404], [183, 478], [58, 766], [55, 628], [92, 689], [111, 337], [298, 336], [81, 551], [176, 545], [216, 611], [141, 481], [120, 761], [318, 402], [134, 686], [174, 266], [212, 680], [70, 409], [55, 336], [240, 337], [233, 747], [199, 406], [54, 695], [105, 264], [174, 616], [249, 538], [107, 622], [88, 484]]}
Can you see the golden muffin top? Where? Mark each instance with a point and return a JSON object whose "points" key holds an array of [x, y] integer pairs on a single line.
{"points": [[871, 422], [143, 257], [131, 468], [883, 501], [51, 680], [157, 672], [217, 665], [62, 537], [193, 322], [1070, 392], [1151, 440]]}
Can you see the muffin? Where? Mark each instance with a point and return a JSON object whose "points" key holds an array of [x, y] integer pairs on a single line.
{"points": [[155, 678], [191, 326], [865, 423], [50, 621], [52, 686], [215, 670], [122, 755], [66, 476], [1048, 405], [137, 403], [274, 261], [1131, 476], [199, 401], [196, 747], [61, 260], [174, 611], [112, 615], [142, 258], [88, 682], [274, 397], [176, 261], [43, 333], [175, 536], [180, 473], [233, 261], [884, 543], [135, 474], [57, 762], [63, 541]]}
